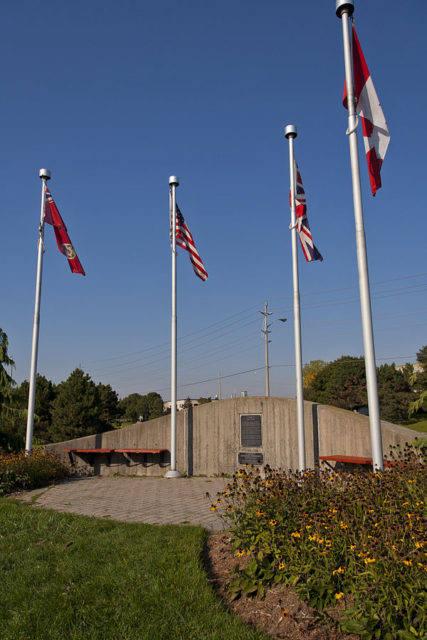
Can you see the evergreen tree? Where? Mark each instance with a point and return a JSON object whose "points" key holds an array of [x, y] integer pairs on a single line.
{"points": [[76, 410]]}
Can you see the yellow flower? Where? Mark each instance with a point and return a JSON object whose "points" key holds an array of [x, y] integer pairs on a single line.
{"points": [[273, 523], [407, 562], [338, 596], [343, 525], [352, 546], [213, 508], [239, 554], [281, 566], [296, 534], [369, 560], [339, 570], [284, 612], [259, 513]]}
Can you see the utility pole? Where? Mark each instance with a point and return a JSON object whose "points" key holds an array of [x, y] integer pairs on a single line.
{"points": [[219, 385], [265, 331]]}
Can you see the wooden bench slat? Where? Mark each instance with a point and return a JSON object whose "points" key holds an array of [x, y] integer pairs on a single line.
{"points": [[139, 450], [342, 458], [88, 450], [354, 460]]}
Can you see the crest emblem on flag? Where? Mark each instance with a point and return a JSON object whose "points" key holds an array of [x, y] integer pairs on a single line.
{"points": [[68, 250]]}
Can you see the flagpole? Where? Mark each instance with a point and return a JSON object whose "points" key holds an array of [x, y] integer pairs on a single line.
{"points": [[290, 134], [344, 9], [172, 472], [44, 175]]}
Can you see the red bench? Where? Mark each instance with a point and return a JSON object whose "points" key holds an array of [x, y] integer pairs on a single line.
{"points": [[92, 452], [351, 460]]}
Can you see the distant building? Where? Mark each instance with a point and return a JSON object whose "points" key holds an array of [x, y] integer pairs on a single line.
{"points": [[179, 404], [418, 367]]}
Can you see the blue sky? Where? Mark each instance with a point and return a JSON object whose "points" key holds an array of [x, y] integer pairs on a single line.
{"points": [[114, 98]]}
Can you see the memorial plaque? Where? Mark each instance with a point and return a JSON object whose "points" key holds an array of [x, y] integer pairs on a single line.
{"points": [[250, 457], [250, 430]]}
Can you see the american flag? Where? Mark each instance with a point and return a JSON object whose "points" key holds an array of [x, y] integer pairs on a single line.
{"points": [[303, 228], [185, 240]]}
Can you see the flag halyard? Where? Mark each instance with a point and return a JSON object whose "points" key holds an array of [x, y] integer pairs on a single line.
{"points": [[53, 217]]}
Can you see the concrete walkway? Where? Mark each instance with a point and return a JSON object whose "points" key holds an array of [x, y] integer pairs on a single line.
{"points": [[150, 500]]}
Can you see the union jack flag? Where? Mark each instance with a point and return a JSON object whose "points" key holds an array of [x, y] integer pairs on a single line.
{"points": [[309, 250], [185, 240]]}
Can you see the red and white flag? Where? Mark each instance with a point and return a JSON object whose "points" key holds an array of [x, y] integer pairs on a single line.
{"points": [[185, 240], [375, 131], [53, 217]]}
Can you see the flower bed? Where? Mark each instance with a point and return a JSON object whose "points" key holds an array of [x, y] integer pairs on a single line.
{"points": [[19, 471], [357, 539]]}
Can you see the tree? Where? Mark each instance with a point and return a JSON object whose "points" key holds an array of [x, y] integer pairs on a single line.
{"points": [[341, 383], [187, 404], [132, 406], [45, 395], [154, 406], [76, 410], [136, 406], [310, 371], [204, 400], [394, 392], [109, 404], [6, 380], [419, 382]]}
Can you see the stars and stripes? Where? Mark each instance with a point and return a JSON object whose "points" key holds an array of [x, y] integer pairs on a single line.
{"points": [[376, 135], [53, 217], [303, 228], [185, 240]]}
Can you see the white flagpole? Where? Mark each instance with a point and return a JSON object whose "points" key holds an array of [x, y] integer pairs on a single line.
{"points": [[173, 473], [344, 9], [44, 175], [290, 134]]}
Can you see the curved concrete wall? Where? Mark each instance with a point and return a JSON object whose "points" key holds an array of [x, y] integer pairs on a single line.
{"points": [[209, 438]]}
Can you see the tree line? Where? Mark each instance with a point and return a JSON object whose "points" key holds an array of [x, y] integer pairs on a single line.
{"points": [[73, 408], [79, 407], [342, 383]]}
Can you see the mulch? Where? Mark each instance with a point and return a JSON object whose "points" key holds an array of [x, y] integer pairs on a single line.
{"points": [[280, 614]]}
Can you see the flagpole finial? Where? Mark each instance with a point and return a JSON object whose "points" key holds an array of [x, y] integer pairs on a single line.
{"points": [[290, 131], [174, 180], [344, 5], [44, 174]]}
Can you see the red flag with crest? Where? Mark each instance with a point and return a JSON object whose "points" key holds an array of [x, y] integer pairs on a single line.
{"points": [[53, 217]]}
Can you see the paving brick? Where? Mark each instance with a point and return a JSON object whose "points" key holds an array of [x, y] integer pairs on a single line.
{"points": [[149, 500]]}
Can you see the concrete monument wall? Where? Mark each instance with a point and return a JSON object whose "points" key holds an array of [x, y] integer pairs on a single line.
{"points": [[220, 436]]}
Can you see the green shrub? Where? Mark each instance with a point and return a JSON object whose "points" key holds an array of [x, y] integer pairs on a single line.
{"points": [[20, 471], [358, 538]]}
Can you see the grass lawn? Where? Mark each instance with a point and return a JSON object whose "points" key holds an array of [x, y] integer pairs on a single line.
{"points": [[66, 577], [416, 426]]}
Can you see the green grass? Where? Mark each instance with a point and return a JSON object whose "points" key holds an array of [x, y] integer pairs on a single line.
{"points": [[416, 426], [68, 577]]}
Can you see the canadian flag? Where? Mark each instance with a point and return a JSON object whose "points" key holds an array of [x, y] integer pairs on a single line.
{"points": [[375, 131]]}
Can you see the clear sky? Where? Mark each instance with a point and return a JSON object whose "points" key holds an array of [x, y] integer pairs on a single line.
{"points": [[114, 97]]}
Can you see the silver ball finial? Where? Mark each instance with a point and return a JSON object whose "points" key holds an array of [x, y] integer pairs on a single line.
{"points": [[290, 131], [344, 5], [174, 180], [44, 174]]}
